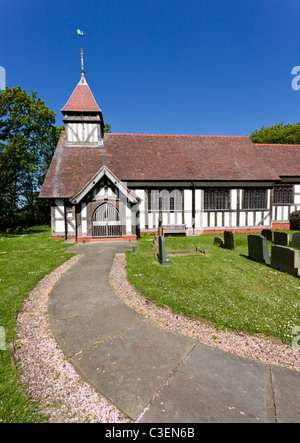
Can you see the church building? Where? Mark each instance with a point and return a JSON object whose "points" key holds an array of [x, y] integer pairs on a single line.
{"points": [[106, 186]]}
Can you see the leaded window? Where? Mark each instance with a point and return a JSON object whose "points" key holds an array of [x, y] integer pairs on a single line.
{"points": [[255, 199], [166, 201], [283, 194], [215, 199]]}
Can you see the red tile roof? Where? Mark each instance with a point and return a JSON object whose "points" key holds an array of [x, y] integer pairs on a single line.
{"points": [[140, 157], [184, 157], [81, 100], [285, 159]]}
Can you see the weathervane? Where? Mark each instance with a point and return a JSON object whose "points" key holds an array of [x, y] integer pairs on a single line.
{"points": [[81, 51]]}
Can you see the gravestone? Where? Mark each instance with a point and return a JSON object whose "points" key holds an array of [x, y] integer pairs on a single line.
{"points": [[228, 240], [268, 233], [296, 240], [285, 259], [218, 241], [281, 238], [163, 260], [258, 248]]}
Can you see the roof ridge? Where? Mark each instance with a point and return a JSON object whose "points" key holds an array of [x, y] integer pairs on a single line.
{"points": [[180, 135], [277, 144]]}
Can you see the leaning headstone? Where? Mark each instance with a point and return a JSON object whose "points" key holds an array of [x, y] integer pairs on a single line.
{"points": [[281, 238], [258, 248], [163, 260], [268, 233], [285, 259], [218, 241], [296, 240], [228, 240]]}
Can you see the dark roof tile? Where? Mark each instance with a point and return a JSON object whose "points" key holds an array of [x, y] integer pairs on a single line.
{"points": [[81, 100], [141, 157], [285, 159]]}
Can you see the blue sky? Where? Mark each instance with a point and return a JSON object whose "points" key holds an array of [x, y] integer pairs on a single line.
{"points": [[204, 67]]}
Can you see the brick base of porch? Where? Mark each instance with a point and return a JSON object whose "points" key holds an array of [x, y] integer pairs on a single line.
{"points": [[96, 239]]}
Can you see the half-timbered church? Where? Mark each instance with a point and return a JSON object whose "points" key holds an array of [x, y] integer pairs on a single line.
{"points": [[114, 186]]}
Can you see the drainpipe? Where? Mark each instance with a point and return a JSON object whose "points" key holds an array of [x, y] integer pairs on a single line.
{"points": [[193, 207], [66, 223]]}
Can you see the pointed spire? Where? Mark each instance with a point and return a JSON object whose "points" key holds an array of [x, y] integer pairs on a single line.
{"points": [[82, 99]]}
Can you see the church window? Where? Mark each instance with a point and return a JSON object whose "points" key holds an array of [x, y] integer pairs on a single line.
{"points": [[283, 194], [216, 199], [166, 201], [255, 199]]}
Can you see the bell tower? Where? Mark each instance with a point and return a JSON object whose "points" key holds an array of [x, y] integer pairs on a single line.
{"points": [[82, 116]]}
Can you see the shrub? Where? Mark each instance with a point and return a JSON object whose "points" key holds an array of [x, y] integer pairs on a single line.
{"points": [[295, 220]]}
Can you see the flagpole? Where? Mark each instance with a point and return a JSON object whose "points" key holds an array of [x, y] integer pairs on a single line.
{"points": [[81, 53]]}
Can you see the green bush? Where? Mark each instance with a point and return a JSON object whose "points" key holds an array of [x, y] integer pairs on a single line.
{"points": [[295, 220]]}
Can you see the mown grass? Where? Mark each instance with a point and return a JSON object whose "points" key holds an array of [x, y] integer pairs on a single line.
{"points": [[225, 288], [25, 258]]}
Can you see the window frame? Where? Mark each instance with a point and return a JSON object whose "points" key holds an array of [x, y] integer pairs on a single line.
{"points": [[160, 200], [254, 199], [283, 188], [217, 199]]}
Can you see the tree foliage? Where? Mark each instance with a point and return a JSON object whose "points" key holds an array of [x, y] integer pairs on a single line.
{"points": [[28, 137], [280, 133], [107, 127], [295, 220]]}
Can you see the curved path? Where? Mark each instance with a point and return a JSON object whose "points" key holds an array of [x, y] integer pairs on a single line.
{"points": [[149, 372]]}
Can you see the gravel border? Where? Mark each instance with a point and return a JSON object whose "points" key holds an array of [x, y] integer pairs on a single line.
{"points": [[52, 381]]}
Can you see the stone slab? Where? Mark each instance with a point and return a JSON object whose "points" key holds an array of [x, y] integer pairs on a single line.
{"points": [[75, 282], [258, 248], [77, 333], [72, 303], [218, 241], [268, 233], [131, 367], [281, 238], [285, 259], [296, 240], [286, 385], [228, 240], [212, 386]]}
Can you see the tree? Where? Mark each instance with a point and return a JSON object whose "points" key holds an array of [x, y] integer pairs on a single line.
{"points": [[28, 137], [107, 127], [280, 133]]}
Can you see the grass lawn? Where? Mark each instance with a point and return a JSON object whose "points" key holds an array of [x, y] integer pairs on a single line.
{"points": [[25, 258], [225, 288]]}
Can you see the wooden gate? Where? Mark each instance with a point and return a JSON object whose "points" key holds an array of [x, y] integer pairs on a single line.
{"points": [[106, 222]]}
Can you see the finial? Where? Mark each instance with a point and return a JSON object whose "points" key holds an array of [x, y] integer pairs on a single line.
{"points": [[81, 53]]}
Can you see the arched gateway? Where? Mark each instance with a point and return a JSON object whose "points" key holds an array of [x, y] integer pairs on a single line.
{"points": [[106, 221]]}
